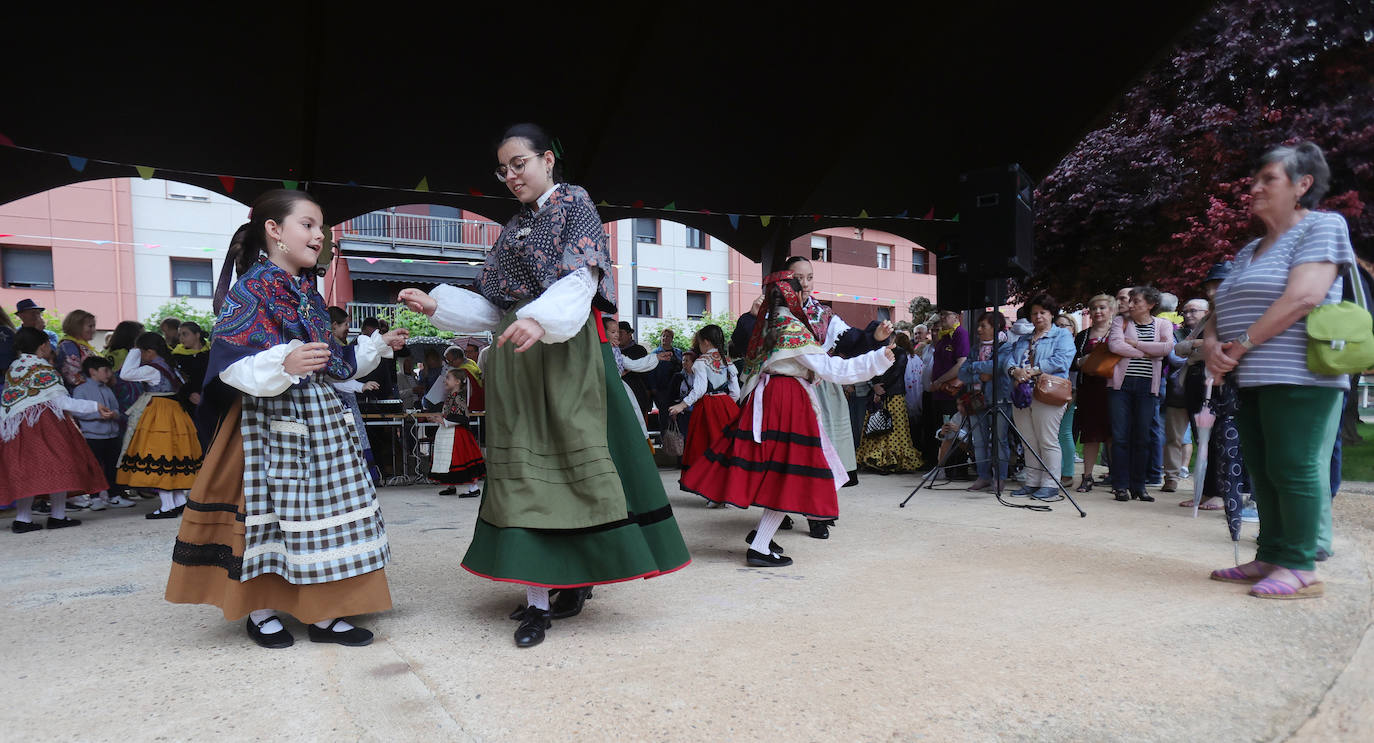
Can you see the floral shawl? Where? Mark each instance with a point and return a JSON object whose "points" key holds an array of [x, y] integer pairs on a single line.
{"points": [[29, 384], [540, 246], [794, 332]]}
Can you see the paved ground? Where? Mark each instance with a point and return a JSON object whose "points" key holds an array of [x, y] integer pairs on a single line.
{"points": [[952, 619]]}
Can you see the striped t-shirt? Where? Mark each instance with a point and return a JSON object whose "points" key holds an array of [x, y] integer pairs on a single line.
{"points": [[1143, 366], [1256, 284]]}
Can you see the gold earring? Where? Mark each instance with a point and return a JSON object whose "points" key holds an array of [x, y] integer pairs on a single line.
{"points": [[282, 247]]}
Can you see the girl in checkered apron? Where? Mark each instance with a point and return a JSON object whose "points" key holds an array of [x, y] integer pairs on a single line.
{"points": [[573, 498], [283, 518]]}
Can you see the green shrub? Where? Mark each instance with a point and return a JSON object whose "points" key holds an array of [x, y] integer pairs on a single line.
{"points": [[181, 310]]}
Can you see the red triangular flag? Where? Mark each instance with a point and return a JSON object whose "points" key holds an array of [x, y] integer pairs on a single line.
{"points": [[815, 217], [639, 204], [228, 182], [6, 141], [474, 192], [930, 214]]}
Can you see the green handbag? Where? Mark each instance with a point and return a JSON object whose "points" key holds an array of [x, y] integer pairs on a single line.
{"points": [[1340, 337]]}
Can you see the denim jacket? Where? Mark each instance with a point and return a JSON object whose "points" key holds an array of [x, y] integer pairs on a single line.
{"points": [[1053, 353]]}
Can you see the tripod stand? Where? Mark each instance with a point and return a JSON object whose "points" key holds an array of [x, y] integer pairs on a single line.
{"points": [[997, 410]]}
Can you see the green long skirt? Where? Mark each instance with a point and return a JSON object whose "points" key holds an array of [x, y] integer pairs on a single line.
{"points": [[573, 497]]}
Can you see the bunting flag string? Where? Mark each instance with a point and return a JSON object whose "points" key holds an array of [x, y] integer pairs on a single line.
{"points": [[79, 163]]}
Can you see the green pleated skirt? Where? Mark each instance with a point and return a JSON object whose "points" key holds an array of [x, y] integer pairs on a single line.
{"points": [[573, 497]]}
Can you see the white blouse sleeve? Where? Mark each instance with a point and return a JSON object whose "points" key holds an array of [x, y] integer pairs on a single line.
{"points": [[645, 364], [698, 387], [846, 371], [462, 311], [733, 374], [78, 408], [562, 310], [263, 373], [367, 354], [351, 385], [134, 370]]}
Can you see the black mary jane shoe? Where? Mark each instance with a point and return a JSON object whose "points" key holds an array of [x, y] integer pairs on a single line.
{"points": [[274, 641], [757, 559], [161, 514], [24, 527], [819, 529], [1121, 495], [62, 523], [749, 539], [354, 638], [1141, 495], [786, 524], [532, 626], [451, 490], [568, 602]]}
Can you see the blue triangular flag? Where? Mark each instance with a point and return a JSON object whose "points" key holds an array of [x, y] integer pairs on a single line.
{"points": [[902, 215], [78, 163], [734, 220]]}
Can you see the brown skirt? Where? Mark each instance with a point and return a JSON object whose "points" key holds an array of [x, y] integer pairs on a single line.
{"points": [[209, 551]]}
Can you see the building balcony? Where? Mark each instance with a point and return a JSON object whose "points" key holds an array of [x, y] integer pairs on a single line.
{"points": [[387, 232]]}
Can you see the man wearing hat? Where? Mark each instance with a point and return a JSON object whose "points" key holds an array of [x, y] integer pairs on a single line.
{"points": [[31, 316]]}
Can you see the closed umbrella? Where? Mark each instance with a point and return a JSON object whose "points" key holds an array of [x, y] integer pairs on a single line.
{"points": [[1204, 419]]}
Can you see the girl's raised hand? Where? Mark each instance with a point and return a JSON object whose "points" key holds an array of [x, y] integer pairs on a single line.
{"points": [[418, 301]]}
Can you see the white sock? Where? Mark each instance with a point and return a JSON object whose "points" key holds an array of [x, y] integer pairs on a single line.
{"points": [[167, 500], [23, 510], [537, 596], [179, 498], [342, 626], [768, 526], [59, 505], [261, 614]]}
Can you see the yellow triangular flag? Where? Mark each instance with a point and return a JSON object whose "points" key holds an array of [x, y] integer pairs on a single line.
{"points": [[423, 185], [765, 219], [602, 203], [863, 214], [145, 172]]}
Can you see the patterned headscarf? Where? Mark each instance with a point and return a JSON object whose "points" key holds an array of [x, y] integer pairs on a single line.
{"points": [[757, 353]]}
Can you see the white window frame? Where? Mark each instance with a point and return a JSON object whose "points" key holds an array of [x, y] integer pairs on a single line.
{"points": [[885, 257], [820, 243]]}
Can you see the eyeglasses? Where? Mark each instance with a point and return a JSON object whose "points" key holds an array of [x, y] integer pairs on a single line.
{"points": [[517, 166]]}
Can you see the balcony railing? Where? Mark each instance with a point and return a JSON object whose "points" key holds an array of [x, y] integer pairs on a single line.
{"points": [[359, 311], [393, 228]]}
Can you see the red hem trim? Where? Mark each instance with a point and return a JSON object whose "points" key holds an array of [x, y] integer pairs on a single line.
{"points": [[644, 576]]}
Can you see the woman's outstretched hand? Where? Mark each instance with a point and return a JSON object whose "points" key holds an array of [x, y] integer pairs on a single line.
{"points": [[397, 338], [418, 301], [523, 333]]}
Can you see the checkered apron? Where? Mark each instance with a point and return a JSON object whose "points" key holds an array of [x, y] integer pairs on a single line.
{"points": [[312, 512]]}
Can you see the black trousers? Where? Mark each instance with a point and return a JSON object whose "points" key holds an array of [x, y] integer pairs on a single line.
{"points": [[106, 452]]}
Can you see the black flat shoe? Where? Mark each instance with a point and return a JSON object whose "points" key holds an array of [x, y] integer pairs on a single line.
{"points": [[449, 491], [354, 638], [24, 527], [786, 523], [749, 539], [568, 602], [1121, 495], [62, 523], [275, 641], [819, 530], [853, 479], [1141, 495], [532, 626], [470, 494], [757, 559]]}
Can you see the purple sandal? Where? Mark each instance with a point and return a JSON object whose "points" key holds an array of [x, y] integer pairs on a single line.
{"points": [[1235, 575], [1272, 588]]}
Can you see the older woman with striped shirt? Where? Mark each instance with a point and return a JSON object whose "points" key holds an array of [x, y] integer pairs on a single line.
{"points": [[1288, 414], [1142, 340]]}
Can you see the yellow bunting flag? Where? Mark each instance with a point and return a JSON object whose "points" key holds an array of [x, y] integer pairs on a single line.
{"points": [[765, 219], [145, 171], [423, 185], [863, 214]]}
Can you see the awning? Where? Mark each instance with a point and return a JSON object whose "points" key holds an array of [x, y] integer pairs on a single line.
{"points": [[417, 272]]}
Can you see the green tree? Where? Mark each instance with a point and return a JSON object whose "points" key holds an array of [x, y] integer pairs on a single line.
{"points": [[181, 310]]}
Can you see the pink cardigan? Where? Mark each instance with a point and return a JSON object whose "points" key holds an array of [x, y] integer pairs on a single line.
{"points": [[1154, 350]]}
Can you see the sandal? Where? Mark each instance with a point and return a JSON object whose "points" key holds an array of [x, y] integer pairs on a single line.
{"points": [[1086, 486], [1273, 588], [1236, 575]]}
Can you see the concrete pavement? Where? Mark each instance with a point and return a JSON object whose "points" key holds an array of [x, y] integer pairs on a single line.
{"points": [[952, 619]]}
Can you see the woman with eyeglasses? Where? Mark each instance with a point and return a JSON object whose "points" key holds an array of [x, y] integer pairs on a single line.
{"points": [[573, 498]]}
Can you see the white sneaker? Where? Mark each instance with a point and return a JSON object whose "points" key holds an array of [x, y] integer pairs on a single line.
{"points": [[80, 501], [97, 504], [1183, 473], [1077, 459], [119, 501]]}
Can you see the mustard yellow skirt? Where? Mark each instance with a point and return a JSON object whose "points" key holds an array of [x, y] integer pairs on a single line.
{"points": [[163, 450]]}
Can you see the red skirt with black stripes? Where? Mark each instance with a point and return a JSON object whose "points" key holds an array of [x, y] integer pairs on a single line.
{"points": [[787, 472]]}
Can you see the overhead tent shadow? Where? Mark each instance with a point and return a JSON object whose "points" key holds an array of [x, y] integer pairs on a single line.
{"points": [[755, 123]]}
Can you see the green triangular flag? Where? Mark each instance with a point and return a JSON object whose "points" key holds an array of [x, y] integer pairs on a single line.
{"points": [[602, 203], [863, 214], [671, 206], [423, 185], [956, 218], [145, 172], [290, 185], [765, 219]]}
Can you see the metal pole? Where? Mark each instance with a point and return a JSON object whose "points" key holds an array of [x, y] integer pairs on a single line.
{"points": [[634, 278]]}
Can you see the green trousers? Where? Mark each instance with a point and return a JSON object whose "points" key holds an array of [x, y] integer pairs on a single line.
{"points": [[1287, 433]]}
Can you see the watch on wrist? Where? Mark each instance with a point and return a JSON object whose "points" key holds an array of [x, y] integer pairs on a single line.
{"points": [[1245, 342]]}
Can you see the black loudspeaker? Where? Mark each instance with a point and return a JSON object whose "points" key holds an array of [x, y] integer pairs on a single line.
{"points": [[997, 221], [959, 287]]}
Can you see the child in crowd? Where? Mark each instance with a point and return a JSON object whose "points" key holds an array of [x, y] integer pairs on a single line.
{"points": [[457, 460], [161, 450], [41, 451], [715, 390], [102, 436]]}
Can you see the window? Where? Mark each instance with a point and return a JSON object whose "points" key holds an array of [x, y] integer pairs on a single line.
{"points": [[820, 248], [698, 305], [885, 257], [192, 278], [26, 268], [646, 301], [184, 192], [918, 261], [695, 239], [884, 314], [646, 231]]}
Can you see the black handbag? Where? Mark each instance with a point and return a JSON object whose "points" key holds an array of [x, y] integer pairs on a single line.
{"points": [[879, 422]]}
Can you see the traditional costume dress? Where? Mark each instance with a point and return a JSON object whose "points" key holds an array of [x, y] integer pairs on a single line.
{"points": [[71, 354], [42, 451], [457, 460], [777, 454], [833, 334], [712, 400], [573, 498], [624, 364], [161, 449], [283, 515]]}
